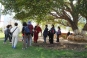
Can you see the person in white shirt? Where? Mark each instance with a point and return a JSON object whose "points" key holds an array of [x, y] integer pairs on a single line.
{"points": [[15, 33]]}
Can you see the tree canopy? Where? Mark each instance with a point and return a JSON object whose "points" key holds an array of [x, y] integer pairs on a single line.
{"points": [[69, 10]]}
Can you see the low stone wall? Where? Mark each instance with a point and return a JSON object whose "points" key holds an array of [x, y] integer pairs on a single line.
{"points": [[63, 35], [79, 38]]}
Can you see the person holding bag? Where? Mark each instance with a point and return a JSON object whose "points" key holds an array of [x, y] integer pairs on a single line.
{"points": [[51, 34], [15, 33]]}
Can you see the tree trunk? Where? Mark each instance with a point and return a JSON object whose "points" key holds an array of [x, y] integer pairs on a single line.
{"points": [[73, 24]]}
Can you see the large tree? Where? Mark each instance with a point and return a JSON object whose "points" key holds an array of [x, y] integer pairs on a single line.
{"points": [[61, 9]]}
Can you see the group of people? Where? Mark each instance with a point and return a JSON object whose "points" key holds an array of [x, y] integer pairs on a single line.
{"points": [[12, 33], [51, 33], [28, 31]]}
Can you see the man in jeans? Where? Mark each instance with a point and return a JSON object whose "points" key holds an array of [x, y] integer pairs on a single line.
{"points": [[7, 32], [31, 31]]}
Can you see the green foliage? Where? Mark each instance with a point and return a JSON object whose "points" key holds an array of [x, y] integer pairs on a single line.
{"points": [[83, 8], [39, 9], [26, 8]]}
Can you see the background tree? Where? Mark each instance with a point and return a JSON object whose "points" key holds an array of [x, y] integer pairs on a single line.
{"points": [[61, 9], [83, 11]]}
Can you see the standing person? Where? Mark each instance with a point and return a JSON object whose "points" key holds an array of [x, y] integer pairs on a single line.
{"points": [[26, 35], [10, 26], [45, 33], [31, 31], [24, 24], [37, 29], [15, 32], [52, 32], [58, 34], [49, 35], [7, 32], [68, 33]]}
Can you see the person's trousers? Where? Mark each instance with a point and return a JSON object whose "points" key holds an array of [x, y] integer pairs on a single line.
{"points": [[30, 40], [14, 41], [35, 37], [57, 38], [6, 37], [26, 42], [44, 39], [51, 38]]}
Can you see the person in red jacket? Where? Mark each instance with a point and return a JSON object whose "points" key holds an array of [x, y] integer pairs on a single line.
{"points": [[37, 30]]}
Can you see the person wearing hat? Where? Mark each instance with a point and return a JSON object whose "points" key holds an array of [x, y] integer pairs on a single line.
{"points": [[31, 31]]}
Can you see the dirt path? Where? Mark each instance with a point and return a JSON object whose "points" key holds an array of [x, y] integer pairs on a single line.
{"points": [[63, 44]]}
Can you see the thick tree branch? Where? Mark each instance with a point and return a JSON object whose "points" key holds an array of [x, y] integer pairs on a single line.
{"points": [[71, 4], [57, 11], [56, 16]]}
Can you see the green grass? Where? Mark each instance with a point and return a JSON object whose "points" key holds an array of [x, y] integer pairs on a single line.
{"points": [[1, 35], [37, 52]]}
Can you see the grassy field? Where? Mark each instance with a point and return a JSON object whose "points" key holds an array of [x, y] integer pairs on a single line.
{"points": [[6, 51], [37, 52], [1, 35]]}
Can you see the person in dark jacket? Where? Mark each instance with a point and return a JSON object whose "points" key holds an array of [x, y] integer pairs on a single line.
{"points": [[26, 37], [45, 33], [51, 34], [7, 32]]}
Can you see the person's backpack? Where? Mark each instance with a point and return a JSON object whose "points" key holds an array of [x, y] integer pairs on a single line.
{"points": [[52, 31], [59, 32], [26, 29]]}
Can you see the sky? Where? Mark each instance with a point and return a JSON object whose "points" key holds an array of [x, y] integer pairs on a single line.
{"points": [[8, 19], [4, 19]]}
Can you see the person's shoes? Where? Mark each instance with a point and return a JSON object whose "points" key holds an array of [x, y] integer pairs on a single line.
{"points": [[26, 47], [4, 42], [10, 42], [23, 48], [13, 47], [30, 45]]}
